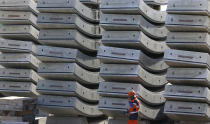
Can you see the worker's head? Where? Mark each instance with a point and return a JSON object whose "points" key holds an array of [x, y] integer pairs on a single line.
{"points": [[132, 94]]}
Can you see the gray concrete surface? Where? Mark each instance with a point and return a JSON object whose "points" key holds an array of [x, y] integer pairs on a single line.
{"points": [[133, 7], [19, 60], [187, 93], [68, 38], [71, 6], [60, 105], [60, 54], [116, 89], [182, 58], [19, 32], [119, 22], [67, 21], [193, 41], [67, 88], [19, 5], [69, 72], [131, 73], [113, 55]]}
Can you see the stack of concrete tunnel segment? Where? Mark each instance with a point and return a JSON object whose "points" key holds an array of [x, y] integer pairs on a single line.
{"points": [[18, 75], [131, 53], [187, 94], [49, 51]]}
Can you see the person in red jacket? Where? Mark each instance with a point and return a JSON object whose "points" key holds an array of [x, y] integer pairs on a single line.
{"points": [[134, 107]]}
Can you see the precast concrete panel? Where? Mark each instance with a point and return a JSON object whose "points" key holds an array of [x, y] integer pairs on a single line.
{"points": [[70, 6], [116, 89], [134, 40], [193, 41], [16, 46], [60, 105], [113, 55], [68, 38], [119, 22], [27, 75], [187, 111], [67, 88], [67, 21], [19, 32], [189, 76], [117, 107], [19, 60], [131, 73], [26, 89], [187, 93], [19, 5], [188, 23], [18, 104], [198, 7], [133, 7], [59, 54], [69, 72], [18, 18], [181, 58]]}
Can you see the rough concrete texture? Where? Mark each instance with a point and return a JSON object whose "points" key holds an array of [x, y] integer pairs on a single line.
{"points": [[193, 41], [133, 7], [119, 22], [113, 55], [116, 89], [67, 21], [60, 105], [68, 38], [131, 73], [71, 6], [67, 88]]}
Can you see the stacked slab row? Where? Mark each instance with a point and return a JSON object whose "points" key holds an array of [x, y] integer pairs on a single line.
{"points": [[70, 30], [188, 95], [18, 77], [132, 57]]}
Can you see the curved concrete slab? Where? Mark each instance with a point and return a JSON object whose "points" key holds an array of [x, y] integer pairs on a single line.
{"points": [[119, 22], [67, 88], [18, 18], [113, 55], [60, 105], [19, 32], [188, 23], [189, 76], [133, 7], [16, 46], [25, 75], [68, 38], [156, 2], [131, 73], [187, 93], [67, 21], [23, 89], [181, 58], [115, 89], [133, 40], [71, 6], [193, 41], [198, 7], [19, 5], [68, 71], [59, 54], [117, 107], [19, 60], [187, 111]]}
